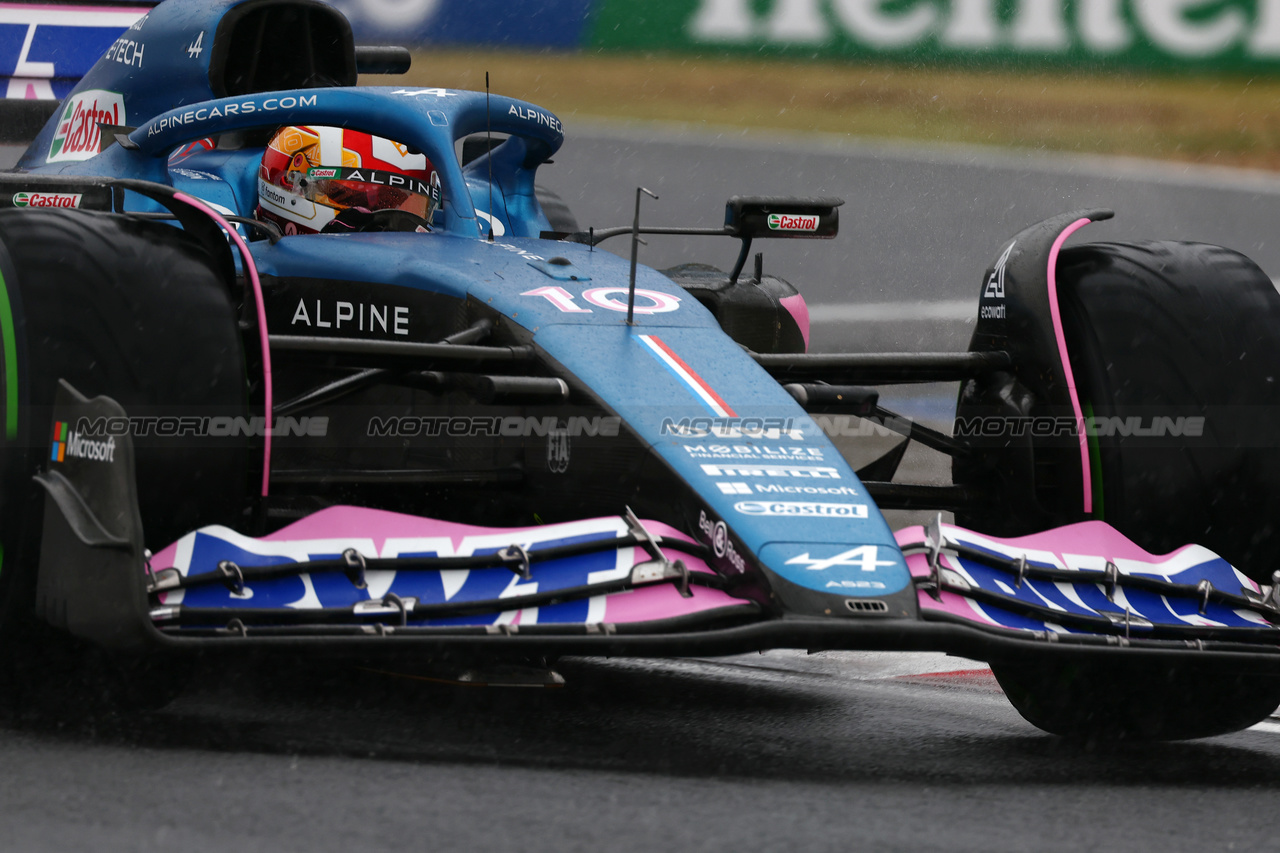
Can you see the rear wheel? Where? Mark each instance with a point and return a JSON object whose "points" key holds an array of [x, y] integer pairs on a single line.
{"points": [[1136, 700], [133, 310]]}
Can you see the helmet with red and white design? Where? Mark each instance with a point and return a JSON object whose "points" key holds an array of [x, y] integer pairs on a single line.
{"points": [[331, 179]]}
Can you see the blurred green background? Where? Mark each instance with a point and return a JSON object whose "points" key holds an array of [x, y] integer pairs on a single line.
{"points": [[1224, 118]]}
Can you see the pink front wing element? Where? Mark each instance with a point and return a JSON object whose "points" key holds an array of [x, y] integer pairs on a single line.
{"points": [[947, 602], [652, 603], [377, 525], [1086, 471], [330, 528], [799, 310], [380, 525], [1065, 547], [1084, 537]]}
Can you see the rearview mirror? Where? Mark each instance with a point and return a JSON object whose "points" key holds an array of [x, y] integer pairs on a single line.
{"points": [[771, 216]]}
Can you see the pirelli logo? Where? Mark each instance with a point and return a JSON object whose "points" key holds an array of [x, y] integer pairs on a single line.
{"points": [[809, 472]]}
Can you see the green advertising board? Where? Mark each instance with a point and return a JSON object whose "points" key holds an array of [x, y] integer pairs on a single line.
{"points": [[1171, 35]]}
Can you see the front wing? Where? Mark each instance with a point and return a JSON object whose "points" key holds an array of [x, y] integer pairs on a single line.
{"points": [[361, 581]]}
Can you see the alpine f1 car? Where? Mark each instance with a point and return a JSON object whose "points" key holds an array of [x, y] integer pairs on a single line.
{"points": [[295, 365]]}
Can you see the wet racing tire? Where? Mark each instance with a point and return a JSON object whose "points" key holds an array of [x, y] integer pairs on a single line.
{"points": [[129, 309], [1175, 352], [1137, 700], [1181, 340]]}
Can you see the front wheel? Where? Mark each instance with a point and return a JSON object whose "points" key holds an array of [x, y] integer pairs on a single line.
{"points": [[129, 309], [1175, 352], [1136, 700]]}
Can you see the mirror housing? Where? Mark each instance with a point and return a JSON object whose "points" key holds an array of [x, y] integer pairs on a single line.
{"points": [[778, 216]]}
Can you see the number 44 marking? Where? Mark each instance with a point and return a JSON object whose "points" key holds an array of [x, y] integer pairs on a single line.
{"points": [[196, 47]]}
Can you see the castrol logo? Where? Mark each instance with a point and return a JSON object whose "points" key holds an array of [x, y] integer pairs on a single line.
{"points": [[786, 222], [46, 199]]}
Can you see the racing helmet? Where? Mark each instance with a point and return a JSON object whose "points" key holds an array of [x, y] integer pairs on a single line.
{"points": [[332, 179]]}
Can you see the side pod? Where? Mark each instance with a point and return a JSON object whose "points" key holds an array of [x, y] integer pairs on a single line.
{"points": [[91, 579]]}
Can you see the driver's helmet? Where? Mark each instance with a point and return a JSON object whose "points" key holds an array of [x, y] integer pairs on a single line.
{"points": [[315, 179]]}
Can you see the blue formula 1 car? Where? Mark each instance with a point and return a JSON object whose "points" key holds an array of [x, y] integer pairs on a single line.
{"points": [[296, 366]]}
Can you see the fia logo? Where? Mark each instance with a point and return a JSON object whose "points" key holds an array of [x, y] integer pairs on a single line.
{"points": [[558, 451], [995, 282]]}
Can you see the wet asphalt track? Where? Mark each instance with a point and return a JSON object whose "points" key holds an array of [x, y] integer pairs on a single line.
{"points": [[776, 751]]}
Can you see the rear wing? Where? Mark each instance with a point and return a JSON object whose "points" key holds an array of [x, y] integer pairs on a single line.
{"points": [[45, 48]]}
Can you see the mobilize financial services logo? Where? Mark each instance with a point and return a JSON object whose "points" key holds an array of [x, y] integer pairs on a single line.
{"points": [[69, 442]]}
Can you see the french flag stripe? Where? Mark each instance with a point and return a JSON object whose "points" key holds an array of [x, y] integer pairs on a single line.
{"points": [[688, 376]]}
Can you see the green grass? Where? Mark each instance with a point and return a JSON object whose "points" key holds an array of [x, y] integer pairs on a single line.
{"points": [[1222, 120]]}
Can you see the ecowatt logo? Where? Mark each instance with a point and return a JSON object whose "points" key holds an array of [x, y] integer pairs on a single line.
{"points": [[67, 442], [783, 222], [37, 199]]}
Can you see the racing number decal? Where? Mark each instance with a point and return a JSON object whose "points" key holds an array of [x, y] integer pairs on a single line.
{"points": [[605, 297], [559, 297]]}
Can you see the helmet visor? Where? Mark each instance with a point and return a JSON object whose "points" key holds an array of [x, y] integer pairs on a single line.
{"points": [[371, 190]]}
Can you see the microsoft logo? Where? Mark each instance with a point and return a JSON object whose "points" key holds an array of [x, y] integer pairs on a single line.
{"points": [[60, 432]]}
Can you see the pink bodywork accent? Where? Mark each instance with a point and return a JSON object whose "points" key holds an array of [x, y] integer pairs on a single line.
{"points": [[252, 270], [663, 601], [1086, 472], [141, 10], [1093, 538], [799, 310], [342, 522], [1083, 537], [644, 604]]}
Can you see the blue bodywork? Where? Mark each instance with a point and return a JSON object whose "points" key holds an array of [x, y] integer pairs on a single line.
{"points": [[756, 460], [580, 543]]}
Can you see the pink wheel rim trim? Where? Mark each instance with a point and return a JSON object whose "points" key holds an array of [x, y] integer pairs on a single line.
{"points": [[1086, 472]]}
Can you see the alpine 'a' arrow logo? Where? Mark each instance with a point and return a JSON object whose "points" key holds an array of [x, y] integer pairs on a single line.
{"points": [[863, 557], [995, 282]]}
